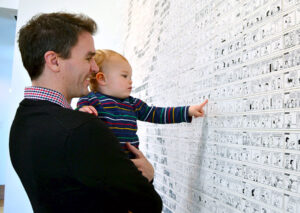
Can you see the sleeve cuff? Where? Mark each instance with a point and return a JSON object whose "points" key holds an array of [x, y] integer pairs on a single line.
{"points": [[188, 118]]}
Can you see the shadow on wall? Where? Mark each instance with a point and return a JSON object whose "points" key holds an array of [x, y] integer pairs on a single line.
{"points": [[196, 177]]}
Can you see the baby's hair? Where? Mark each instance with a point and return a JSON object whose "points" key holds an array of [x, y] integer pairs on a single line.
{"points": [[100, 57]]}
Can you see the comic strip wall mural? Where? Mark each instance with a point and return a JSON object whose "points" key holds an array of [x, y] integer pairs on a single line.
{"points": [[244, 57]]}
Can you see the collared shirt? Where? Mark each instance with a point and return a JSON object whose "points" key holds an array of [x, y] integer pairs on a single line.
{"points": [[40, 93]]}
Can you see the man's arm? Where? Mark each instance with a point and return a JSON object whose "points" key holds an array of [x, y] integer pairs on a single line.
{"points": [[97, 161], [141, 163]]}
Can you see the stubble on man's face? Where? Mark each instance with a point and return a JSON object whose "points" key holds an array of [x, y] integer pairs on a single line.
{"points": [[80, 66]]}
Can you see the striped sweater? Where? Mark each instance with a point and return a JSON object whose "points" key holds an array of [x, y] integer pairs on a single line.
{"points": [[121, 115]]}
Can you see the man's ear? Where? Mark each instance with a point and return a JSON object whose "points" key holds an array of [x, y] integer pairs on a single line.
{"points": [[100, 77], [51, 60]]}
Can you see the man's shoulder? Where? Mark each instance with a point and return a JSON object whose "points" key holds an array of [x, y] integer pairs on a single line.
{"points": [[71, 119], [67, 118]]}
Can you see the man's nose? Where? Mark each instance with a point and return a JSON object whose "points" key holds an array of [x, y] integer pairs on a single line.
{"points": [[94, 66]]}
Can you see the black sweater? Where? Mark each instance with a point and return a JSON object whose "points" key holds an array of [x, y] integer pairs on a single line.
{"points": [[69, 161]]}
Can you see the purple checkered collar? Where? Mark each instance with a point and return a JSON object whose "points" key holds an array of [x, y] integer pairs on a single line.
{"points": [[40, 93]]}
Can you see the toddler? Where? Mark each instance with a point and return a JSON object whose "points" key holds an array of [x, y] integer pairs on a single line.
{"points": [[110, 100]]}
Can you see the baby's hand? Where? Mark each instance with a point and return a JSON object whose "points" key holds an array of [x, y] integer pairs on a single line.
{"points": [[197, 110], [89, 109]]}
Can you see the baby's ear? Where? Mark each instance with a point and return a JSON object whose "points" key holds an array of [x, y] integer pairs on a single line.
{"points": [[101, 78]]}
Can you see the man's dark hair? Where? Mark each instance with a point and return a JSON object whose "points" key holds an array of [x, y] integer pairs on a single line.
{"points": [[56, 32]]}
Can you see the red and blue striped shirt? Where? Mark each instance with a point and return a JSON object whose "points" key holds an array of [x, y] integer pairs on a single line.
{"points": [[121, 115]]}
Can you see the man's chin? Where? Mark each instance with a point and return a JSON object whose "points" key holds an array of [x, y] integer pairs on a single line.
{"points": [[84, 92]]}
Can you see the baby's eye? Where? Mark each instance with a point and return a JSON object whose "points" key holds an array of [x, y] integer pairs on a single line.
{"points": [[125, 76]]}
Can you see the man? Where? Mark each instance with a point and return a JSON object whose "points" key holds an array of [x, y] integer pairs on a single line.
{"points": [[69, 161]]}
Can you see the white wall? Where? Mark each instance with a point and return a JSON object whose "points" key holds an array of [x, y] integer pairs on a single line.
{"points": [[106, 14], [11, 4]]}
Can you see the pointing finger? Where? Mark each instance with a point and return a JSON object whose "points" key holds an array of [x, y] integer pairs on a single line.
{"points": [[204, 103]]}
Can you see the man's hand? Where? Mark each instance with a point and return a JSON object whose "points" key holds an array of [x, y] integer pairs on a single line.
{"points": [[197, 110], [141, 163], [89, 109]]}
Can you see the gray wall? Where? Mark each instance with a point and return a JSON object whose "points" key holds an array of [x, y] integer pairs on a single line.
{"points": [[7, 38]]}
